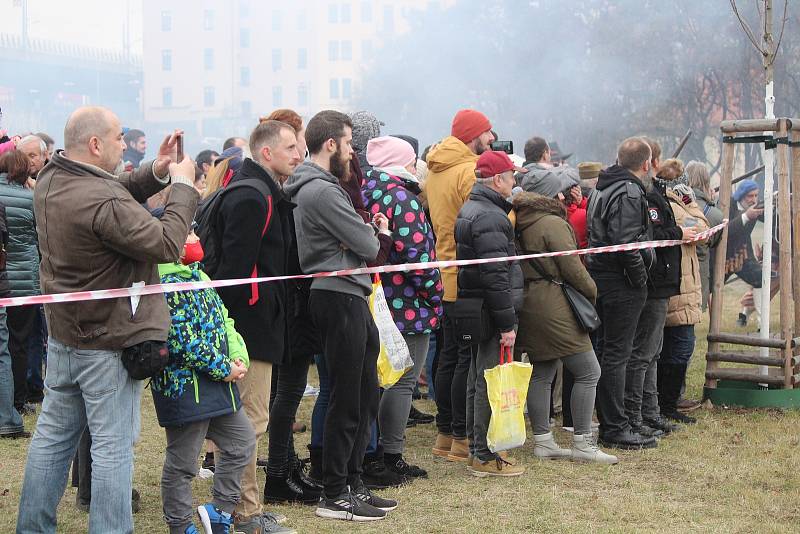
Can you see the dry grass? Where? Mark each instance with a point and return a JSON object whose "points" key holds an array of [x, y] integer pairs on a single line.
{"points": [[735, 471]]}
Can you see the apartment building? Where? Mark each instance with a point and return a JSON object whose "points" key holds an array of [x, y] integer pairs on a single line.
{"points": [[212, 65]]}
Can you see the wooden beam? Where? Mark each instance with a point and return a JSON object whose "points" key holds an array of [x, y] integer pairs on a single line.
{"points": [[749, 341], [785, 253], [749, 126], [744, 375], [752, 358], [796, 227], [716, 305]]}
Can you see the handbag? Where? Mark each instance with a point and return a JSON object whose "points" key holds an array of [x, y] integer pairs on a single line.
{"points": [[471, 321], [582, 308]]}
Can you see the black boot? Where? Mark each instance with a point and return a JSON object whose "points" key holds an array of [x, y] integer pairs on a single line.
{"points": [[315, 458], [671, 378], [376, 476], [285, 489]]}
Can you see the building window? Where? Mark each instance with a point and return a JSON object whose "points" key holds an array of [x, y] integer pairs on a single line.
{"points": [[277, 96], [302, 58], [244, 38], [333, 50], [344, 14], [277, 59], [333, 13], [366, 49], [244, 76], [388, 18], [347, 88], [166, 97], [247, 108], [302, 96], [208, 19], [166, 21], [208, 96], [366, 12], [334, 92], [208, 58], [277, 21], [166, 60], [347, 50]]}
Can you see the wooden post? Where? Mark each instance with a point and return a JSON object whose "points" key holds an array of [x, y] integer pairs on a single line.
{"points": [[796, 232], [728, 153], [785, 254]]}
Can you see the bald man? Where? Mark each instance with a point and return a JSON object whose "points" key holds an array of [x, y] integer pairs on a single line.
{"points": [[94, 234]]}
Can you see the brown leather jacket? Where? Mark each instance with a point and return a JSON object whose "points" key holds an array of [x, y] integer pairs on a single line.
{"points": [[94, 234]]}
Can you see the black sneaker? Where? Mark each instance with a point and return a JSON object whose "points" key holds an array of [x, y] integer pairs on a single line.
{"points": [[363, 493], [663, 424], [376, 476], [419, 417], [410, 423], [348, 507], [647, 431], [679, 417], [627, 440], [285, 489], [405, 469]]}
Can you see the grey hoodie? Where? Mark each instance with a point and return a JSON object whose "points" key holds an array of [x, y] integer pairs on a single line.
{"points": [[331, 236]]}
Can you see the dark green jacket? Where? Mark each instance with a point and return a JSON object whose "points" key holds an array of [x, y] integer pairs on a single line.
{"points": [[23, 246]]}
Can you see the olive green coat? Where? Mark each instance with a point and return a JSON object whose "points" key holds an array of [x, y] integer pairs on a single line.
{"points": [[547, 326]]}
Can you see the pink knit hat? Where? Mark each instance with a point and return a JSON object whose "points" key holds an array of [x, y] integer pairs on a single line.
{"points": [[389, 152]]}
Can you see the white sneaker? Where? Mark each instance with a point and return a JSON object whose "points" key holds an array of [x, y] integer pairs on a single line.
{"points": [[546, 447], [310, 391], [568, 428], [584, 449], [205, 474]]}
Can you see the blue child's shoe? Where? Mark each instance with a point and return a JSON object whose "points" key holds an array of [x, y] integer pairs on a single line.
{"points": [[215, 521]]}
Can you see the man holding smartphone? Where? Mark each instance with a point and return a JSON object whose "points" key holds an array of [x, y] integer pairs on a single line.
{"points": [[83, 210]]}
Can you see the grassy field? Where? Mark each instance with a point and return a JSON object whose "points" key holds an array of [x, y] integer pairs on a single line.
{"points": [[735, 471]]}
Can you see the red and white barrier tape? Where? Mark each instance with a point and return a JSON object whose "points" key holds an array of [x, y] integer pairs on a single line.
{"points": [[153, 289]]}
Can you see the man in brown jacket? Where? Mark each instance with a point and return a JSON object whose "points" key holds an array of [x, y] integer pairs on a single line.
{"points": [[94, 234]]}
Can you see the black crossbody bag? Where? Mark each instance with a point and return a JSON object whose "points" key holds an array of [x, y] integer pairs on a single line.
{"points": [[582, 308]]}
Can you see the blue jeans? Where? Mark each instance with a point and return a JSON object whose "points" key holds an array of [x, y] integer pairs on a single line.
{"points": [[678, 345], [36, 353], [10, 420], [83, 387], [321, 406]]}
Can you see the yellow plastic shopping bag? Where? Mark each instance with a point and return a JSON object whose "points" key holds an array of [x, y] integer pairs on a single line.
{"points": [[507, 388], [394, 358]]}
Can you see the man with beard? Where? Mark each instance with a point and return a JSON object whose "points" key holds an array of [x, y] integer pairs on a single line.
{"points": [[331, 237], [135, 147], [451, 176]]}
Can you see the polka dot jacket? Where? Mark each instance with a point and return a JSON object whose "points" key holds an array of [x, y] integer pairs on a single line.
{"points": [[414, 297]]}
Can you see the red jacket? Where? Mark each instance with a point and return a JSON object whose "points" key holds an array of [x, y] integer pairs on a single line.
{"points": [[576, 215]]}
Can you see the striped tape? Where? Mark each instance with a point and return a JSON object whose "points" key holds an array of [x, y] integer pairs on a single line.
{"points": [[126, 292]]}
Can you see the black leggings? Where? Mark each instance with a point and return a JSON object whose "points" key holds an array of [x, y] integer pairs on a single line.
{"points": [[288, 390]]}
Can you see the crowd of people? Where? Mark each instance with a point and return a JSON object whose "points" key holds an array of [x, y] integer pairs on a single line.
{"points": [[228, 366]]}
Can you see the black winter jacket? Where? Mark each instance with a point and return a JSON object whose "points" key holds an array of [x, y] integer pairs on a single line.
{"points": [[483, 230], [617, 214], [665, 275], [255, 237]]}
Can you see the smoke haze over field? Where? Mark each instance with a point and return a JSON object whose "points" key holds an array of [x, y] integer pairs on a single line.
{"points": [[586, 73]]}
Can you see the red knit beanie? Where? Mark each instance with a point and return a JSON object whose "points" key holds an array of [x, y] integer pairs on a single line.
{"points": [[469, 124]]}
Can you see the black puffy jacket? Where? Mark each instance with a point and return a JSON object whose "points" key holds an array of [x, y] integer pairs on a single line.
{"points": [[483, 230], [665, 275], [618, 214]]}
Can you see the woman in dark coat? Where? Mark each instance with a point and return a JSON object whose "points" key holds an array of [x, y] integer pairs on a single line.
{"points": [[22, 265], [548, 331]]}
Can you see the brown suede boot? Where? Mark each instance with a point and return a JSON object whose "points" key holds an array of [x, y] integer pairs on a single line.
{"points": [[459, 451], [441, 447]]}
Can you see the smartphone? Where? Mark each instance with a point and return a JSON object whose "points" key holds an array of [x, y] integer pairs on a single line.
{"points": [[503, 146], [180, 147]]}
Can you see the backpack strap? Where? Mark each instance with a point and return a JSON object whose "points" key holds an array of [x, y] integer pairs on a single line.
{"points": [[254, 285]]}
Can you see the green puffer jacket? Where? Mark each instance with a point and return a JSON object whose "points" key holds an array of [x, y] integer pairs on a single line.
{"points": [[23, 245]]}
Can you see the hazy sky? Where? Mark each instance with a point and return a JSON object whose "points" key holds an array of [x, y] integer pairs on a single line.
{"points": [[96, 23]]}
